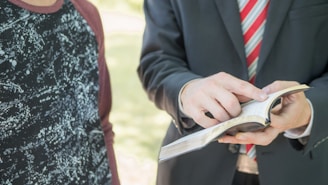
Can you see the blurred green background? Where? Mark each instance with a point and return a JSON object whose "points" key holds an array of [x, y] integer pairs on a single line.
{"points": [[120, 5], [138, 125]]}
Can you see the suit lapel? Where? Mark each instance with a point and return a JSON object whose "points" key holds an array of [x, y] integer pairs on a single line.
{"points": [[277, 13], [229, 12]]}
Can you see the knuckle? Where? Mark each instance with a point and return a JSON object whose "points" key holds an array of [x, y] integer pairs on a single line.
{"points": [[198, 117], [233, 107], [244, 86], [223, 76], [211, 83]]}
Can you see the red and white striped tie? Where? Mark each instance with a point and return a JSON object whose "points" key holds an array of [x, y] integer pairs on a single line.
{"points": [[253, 17]]}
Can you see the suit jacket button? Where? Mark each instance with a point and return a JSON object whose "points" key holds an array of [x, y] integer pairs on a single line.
{"points": [[234, 148]]}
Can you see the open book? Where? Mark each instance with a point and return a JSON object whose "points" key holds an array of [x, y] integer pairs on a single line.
{"points": [[254, 116]]}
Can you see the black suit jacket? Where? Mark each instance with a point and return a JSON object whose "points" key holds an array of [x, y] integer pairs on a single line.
{"points": [[188, 39]]}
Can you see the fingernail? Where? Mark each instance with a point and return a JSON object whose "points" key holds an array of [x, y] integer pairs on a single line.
{"points": [[240, 136], [221, 140]]}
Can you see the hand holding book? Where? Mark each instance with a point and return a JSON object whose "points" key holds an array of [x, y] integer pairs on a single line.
{"points": [[254, 116], [220, 94], [293, 113]]}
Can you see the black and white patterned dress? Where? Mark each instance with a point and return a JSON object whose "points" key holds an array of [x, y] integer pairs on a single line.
{"points": [[50, 129]]}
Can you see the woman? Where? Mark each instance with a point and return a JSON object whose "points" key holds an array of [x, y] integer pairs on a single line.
{"points": [[55, 95]]}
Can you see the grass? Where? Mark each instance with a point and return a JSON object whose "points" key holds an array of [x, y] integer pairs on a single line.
{"points": [[138, 124]]}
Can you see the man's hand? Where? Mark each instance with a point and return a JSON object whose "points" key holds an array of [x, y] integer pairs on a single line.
{"points": [[293, 112], [220, 95]]}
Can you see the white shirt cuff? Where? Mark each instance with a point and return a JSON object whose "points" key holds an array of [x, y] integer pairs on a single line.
{"points": [[179, 97]]}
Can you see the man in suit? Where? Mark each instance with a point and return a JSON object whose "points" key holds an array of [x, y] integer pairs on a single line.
{"points": [[193, 61]]}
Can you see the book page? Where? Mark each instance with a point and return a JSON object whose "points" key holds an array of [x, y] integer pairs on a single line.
{"points": [[203, 137], [259, 108], [263, 108]]}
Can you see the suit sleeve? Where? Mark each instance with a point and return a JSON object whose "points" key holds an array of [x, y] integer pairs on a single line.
{"points": [[319, 100], [163, 66], [312, 29]]}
